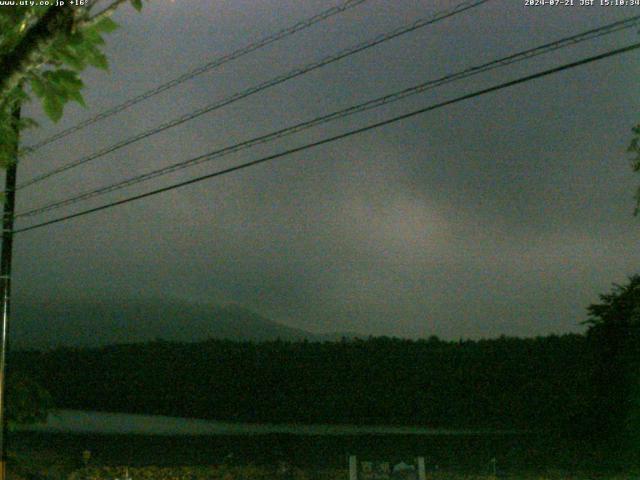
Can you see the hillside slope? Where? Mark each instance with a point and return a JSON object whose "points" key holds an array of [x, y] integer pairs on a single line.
{"points": [[86, 324]]}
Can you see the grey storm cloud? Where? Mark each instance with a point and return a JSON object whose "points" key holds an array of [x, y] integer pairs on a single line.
{"points": [[505, 214]]}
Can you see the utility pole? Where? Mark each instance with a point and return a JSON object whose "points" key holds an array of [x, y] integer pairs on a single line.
{"points": [[5, 281]]}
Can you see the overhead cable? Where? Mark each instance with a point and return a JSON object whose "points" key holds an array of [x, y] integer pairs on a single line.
{"points": [[461, 7], [361, 107], [334, 138], [252, 47]]}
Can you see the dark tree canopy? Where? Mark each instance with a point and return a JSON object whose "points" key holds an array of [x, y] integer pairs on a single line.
{"points": [[614, 333], [619, 309]]}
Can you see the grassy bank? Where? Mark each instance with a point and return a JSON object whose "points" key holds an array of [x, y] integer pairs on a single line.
{"points": [[268, 473], [40, 456], [265, 473]]}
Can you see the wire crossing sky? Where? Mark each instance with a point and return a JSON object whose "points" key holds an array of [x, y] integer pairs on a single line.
{"points": [[503, 213], [374, 103], [485, 91], [413, 26], [198, 71]]}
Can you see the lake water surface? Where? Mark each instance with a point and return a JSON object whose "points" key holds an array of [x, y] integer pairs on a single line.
{"points": [[78, 421]]}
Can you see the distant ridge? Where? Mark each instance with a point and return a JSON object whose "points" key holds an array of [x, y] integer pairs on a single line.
{"points": [[338, 336], [45, 325]]}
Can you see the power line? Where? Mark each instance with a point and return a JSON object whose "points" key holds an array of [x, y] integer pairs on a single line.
{"points": [[371, 104], [423, 22], [302, 25], [340, 136]]}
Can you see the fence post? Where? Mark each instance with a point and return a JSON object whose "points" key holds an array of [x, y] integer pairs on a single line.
{"points": [[422, 473], [353, 468]]}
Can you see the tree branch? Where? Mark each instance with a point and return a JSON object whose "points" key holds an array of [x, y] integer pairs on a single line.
{"points": [[108, 11], [15, 65]]}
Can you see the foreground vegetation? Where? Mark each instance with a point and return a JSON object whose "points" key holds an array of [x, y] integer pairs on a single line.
{"points": [[579, 384], [266, 473], [573, 400], [222, 472], [55, 456], [504, 383]]}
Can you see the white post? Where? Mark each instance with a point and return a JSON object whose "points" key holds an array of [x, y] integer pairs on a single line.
{"points": [[353, 468], [422, 473]]}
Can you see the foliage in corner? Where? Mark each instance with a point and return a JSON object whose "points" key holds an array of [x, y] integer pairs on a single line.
{"points": [[42, 52]]}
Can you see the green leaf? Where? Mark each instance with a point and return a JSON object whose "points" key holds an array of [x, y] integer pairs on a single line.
{"points": [[98, 60], [27, 122], [71, 58], [105, 25], [93, 36], [67, 79], [68, 76], [137, 4], [53, 107], [38, 86], [77, 97], [76, 39]]}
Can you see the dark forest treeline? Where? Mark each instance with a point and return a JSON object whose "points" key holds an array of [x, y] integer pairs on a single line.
{"points": [[541, 383]]}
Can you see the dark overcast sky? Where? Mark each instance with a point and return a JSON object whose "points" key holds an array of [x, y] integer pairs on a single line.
{"points": [[505, 214]]}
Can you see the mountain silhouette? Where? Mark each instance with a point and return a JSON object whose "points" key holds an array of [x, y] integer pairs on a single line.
{"points": [[96, 323]]}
